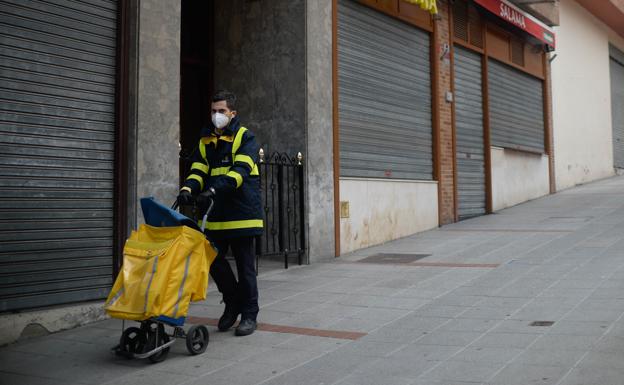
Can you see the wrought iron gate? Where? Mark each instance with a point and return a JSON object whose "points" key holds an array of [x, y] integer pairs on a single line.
{"points": [[282, 187]]}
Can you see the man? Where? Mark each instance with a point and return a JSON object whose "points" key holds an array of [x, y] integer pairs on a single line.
{"points": [[224, 169]]}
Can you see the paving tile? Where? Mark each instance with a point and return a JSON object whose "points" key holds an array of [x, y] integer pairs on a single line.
{"points": [[194, 366], [414, 321], [247, 373], [381, 315], [12, 378], [518, 326], [370, 379], [438, 310], [559, 342], [516, 374], [594, 316], [488, 313], [355, 325], [594, 359], [591, 376], [397, 365], [580, 328], [314, 344], [469, 325], [487, 355], [370, 348], [418, 352], [448, 338], [563, 357], [462, 371], [150, 377], [505, 340]]}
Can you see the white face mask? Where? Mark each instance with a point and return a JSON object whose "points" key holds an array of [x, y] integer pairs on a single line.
{"points": [[220, 120]]}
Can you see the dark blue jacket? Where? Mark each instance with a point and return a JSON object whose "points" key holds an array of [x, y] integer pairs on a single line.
{"points": [[228, 163]]}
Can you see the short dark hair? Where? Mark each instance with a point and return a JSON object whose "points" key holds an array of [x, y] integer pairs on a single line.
{"points": [[229, 97]]}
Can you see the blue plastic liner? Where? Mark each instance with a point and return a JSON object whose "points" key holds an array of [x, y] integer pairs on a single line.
{"points": [[158, 215]]}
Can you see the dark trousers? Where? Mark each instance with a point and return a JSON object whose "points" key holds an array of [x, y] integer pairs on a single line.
{"points": [[243, 293]]}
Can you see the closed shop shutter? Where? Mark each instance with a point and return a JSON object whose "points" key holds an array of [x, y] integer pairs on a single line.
{"points": [[516, 108], [384, 96], [617, 105], [57, 85], [470, 156]]}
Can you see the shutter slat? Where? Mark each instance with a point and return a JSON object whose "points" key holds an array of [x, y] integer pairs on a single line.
{"points": [[516, 108], [470, 155], [57, 135]]}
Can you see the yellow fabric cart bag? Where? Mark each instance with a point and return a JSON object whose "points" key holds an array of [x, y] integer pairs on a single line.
{"points": [[164, 268]]}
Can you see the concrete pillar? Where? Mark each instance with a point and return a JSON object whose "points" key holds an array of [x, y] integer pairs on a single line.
{"points": [[155, 97], [319, 130]]}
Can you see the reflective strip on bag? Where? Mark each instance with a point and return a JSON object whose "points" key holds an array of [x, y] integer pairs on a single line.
{"points": [[181, 290], [149, 284]]}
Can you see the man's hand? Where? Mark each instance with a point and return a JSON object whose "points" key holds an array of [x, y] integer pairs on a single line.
{"points": [[185, 198], [203, 199]]}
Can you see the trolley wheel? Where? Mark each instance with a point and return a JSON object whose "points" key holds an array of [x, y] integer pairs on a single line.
{"points": [[132, 340], [197, 339], [163, 338]]}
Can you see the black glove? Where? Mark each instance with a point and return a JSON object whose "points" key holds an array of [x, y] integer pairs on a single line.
{"points": [[185, 198], [203, 200]]}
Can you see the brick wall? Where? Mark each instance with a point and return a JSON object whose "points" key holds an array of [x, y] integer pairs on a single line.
{"points": [[445, 123]]}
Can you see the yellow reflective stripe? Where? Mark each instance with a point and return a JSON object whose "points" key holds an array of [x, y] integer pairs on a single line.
{"points": [[202, 149], [245, 159], [200, 166], [255, 171], [226, 138], [238, 140], [238, 177], [197, 178], [219, 171], [233, 225], [186, 189]]}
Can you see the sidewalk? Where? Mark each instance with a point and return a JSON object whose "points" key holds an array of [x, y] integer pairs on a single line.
{"points": [[461, 314]]}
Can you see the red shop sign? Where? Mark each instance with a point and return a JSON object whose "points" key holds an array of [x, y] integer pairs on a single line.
{"points": [[520, 19]]}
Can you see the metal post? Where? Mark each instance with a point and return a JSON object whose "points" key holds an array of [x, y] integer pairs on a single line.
{"points": [[280, 210], [302, 226]]}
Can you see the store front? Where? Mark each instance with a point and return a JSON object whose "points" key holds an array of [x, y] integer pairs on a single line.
{"points": [[501, 131], [385, 126]]}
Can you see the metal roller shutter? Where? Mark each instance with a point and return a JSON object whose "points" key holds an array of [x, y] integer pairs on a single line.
{"points": [[470, 156], [57, 86], [516, 108], [617, 105], [384, 96]]}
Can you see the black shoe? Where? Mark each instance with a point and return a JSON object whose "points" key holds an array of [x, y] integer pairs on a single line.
{"points": [[230, 314], [245, 327]]}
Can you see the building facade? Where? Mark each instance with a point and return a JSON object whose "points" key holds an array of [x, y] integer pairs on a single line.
{"points": [[587, 91], [406, 120]]}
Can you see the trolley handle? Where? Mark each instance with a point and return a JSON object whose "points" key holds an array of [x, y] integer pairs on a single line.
{"points": [[208, 210], [175, 206]]}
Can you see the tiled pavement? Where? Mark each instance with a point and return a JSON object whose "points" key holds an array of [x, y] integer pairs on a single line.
{"points": [[459, 316]]}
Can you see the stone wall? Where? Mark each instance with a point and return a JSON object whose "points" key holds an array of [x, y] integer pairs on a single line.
{"points": [[155, 125], [260, 56]]}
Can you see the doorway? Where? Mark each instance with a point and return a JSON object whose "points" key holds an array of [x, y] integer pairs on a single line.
{"points": [[196, 75]]}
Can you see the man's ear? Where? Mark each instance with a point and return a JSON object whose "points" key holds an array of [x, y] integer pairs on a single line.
{"points": [[233, 112]]}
